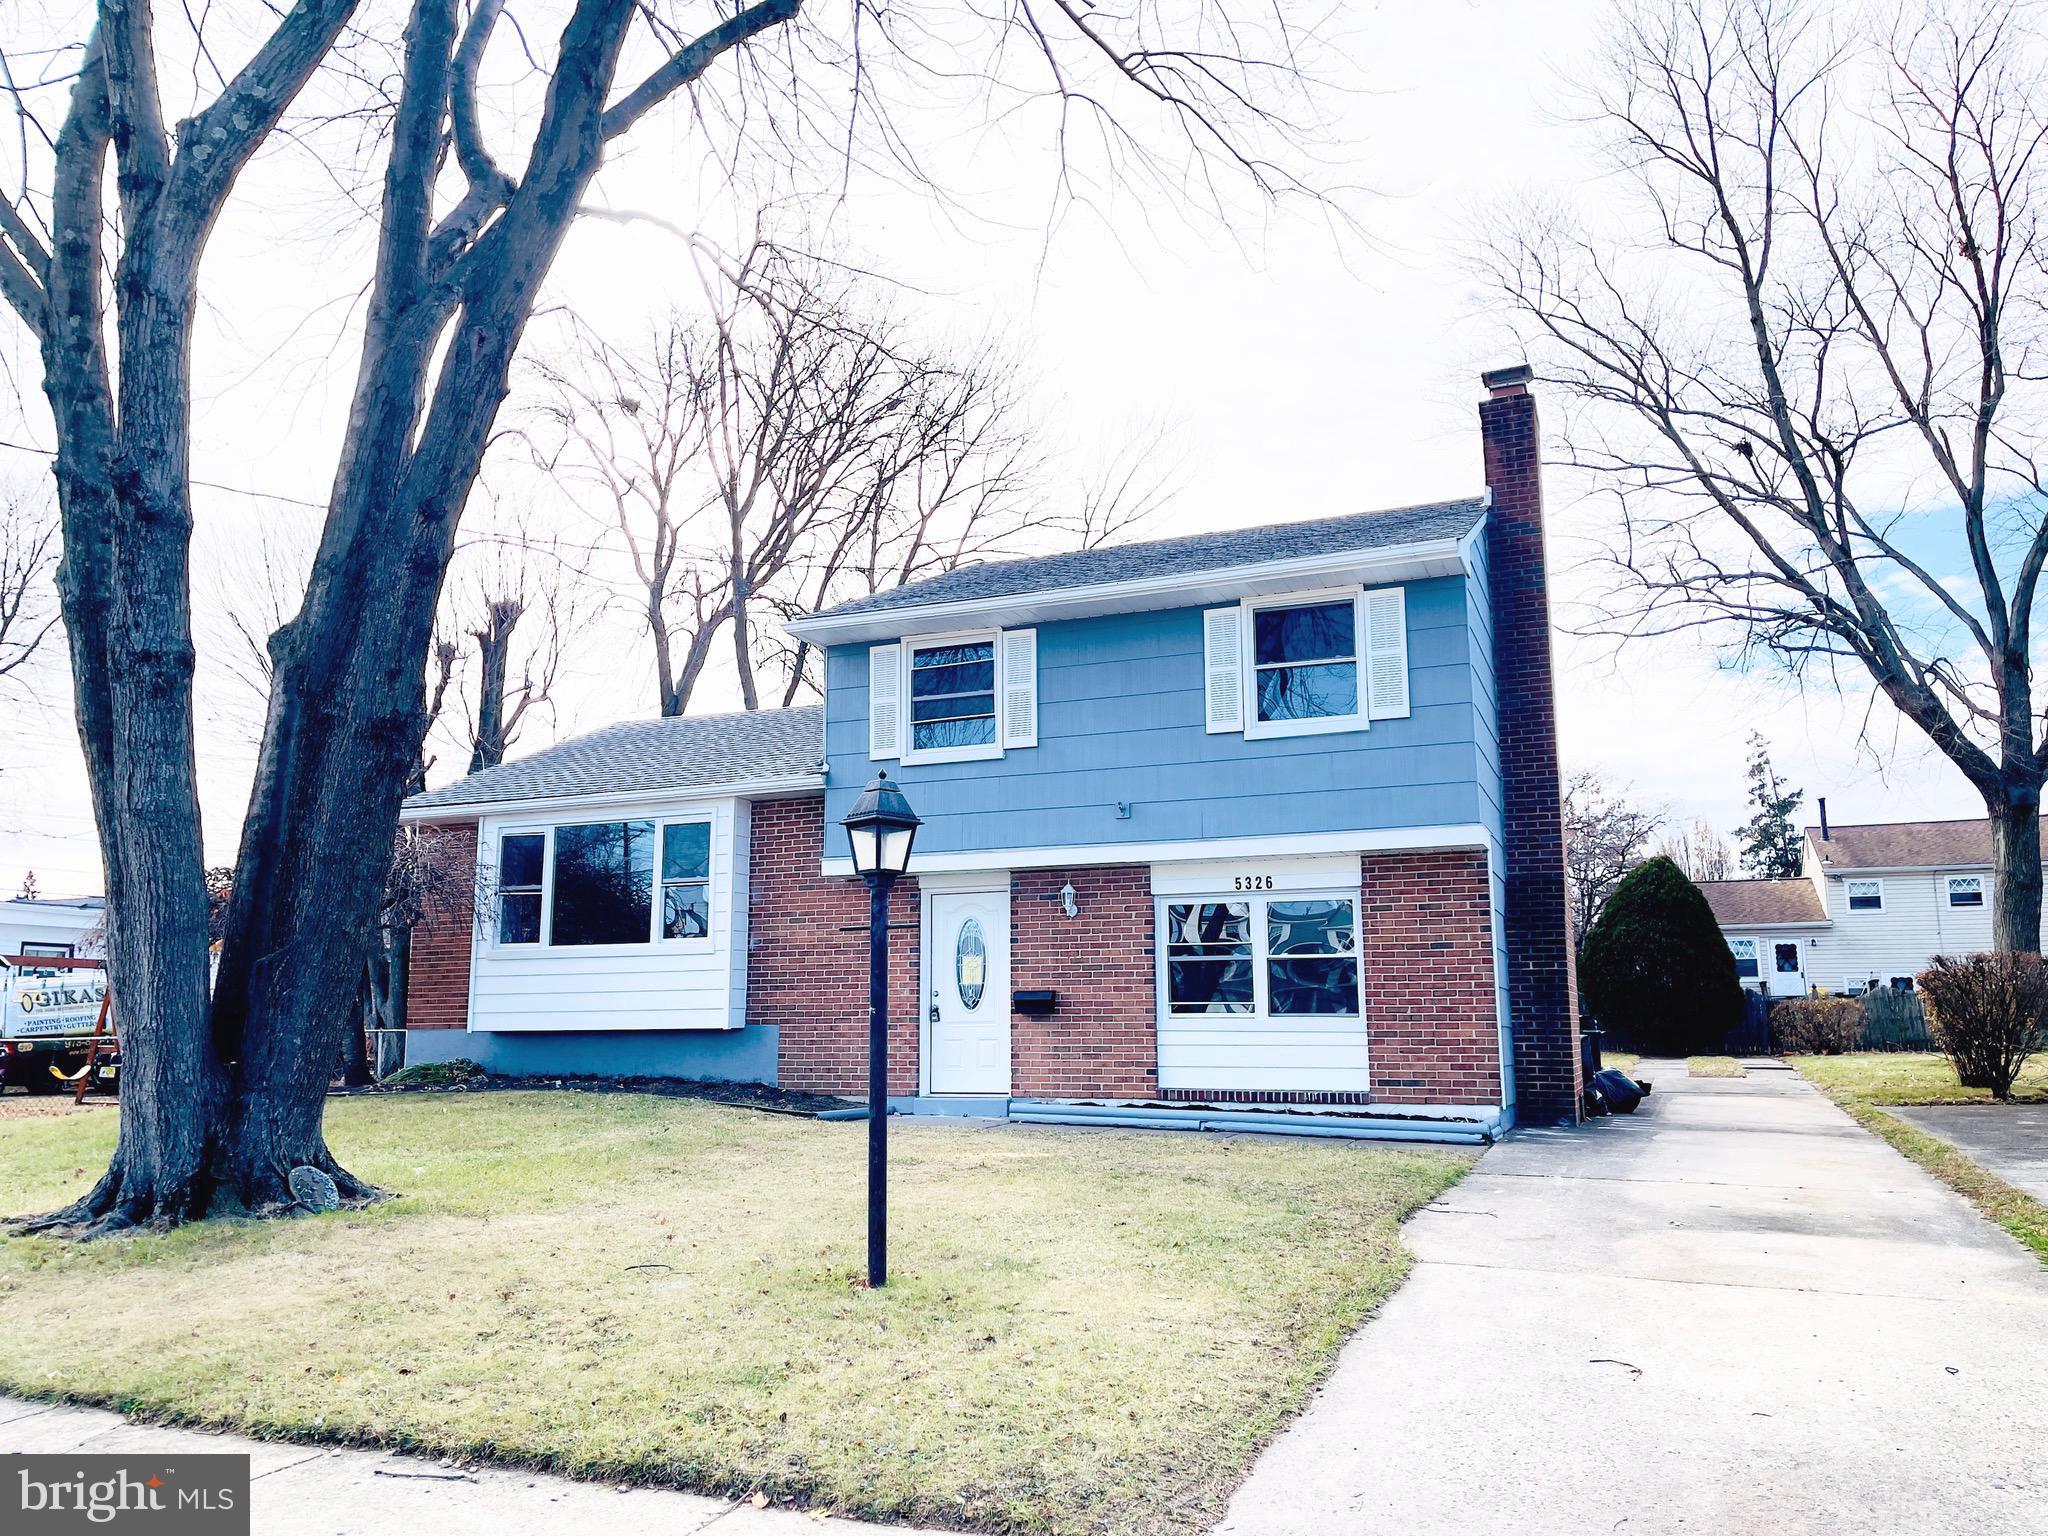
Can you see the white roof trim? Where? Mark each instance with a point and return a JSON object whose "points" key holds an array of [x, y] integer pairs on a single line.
{"points": [[1374, 840], [1187, 589], [748, 789]]}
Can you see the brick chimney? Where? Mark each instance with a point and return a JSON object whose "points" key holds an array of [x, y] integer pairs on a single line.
{"points": [[1543, 1005]]}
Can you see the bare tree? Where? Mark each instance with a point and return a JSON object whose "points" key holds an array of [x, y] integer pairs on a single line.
{"points": [[1699, 850], [1604, 838], [28, 559], [1812, 369], [224, 1084]]}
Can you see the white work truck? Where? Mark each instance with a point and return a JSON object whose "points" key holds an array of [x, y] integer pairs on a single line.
{"points": [[47, 1019]]}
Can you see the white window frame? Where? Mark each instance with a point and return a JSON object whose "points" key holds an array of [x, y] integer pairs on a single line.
{"points": [[1261, 1013], [709, 940], [1756, 955], [1360, 719], [44, 949], [1948, 890], [985, 752], [546, 945], [1849, 895]]}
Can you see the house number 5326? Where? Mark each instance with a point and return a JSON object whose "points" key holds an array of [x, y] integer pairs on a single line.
{"points": [[1254, 882]]}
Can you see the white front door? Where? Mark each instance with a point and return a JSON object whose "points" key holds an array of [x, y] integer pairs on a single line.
{"points": [[1787, 974], [967, 982]]}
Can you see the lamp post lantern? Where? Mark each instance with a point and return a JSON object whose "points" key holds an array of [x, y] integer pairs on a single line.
{"points": [[880, 827]]}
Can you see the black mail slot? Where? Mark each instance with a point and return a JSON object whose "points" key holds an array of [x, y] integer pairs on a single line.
{"points": [[1037, 1004]]}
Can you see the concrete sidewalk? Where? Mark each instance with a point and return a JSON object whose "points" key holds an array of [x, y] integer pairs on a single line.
{"points": [[303, 1490], [1735, 1312]]}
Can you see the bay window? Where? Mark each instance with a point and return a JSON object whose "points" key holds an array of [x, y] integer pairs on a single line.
{"points": [[1269, 957], [581, 884]]}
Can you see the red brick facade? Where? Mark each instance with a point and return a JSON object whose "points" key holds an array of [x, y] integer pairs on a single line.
{"points": [[437, 975], [1425, 931], [807, 974], [1426, 952], [1101, 1040], [1542, 990]]}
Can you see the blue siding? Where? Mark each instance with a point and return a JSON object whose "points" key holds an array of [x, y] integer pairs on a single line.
{"points": [[1120, 718]]}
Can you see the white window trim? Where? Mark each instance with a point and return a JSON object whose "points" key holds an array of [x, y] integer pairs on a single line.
{"points": [[1861, 911], [1756, 953], [1260, 1014], [546, 947], [976, 754], [1360, 719], [1948, 891]]}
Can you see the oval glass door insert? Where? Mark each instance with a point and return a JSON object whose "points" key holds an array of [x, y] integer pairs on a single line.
{"points": [[970, 964]]}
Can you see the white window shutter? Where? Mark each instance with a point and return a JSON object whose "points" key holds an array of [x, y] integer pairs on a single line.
{"points": [[1020, 687], [1385, 625], [885, 701], [1223, 667]]}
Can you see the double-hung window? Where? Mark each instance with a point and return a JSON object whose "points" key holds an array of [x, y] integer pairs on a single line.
{"points": [[1269, 957], [1866, 895], [1744, 951], [581, 884], [1966, 890], [952, 696], [1305, 662]]}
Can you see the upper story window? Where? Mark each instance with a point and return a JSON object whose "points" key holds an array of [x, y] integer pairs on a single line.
{"points": [[592, 883], [953, 696], [1305, 661], [46, 951], [1865, 895], [1966, 890]]}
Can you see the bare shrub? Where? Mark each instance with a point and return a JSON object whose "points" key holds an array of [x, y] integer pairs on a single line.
{"points": [[1818, 1026], [1989, 1013]]}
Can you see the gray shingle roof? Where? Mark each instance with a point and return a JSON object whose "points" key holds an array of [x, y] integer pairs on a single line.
{"points": [[1905, 844], [1179, 557], [693, 752], [1738, 903]]}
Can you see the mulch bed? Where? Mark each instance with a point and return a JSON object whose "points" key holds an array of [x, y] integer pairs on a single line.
{"points": [[779, 1101]]}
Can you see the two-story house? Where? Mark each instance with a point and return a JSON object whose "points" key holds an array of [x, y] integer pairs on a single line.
{"points": [[1266, 817], [1870, 907]]}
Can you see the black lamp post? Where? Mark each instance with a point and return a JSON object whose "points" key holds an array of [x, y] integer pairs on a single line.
{"points": [[881, 827]]}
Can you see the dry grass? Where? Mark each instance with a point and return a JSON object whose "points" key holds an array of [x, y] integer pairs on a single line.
{"points": [[1911, 1077], [1084, 1331], [1713, 1066], [1862, 1083], [1624, 1062]]}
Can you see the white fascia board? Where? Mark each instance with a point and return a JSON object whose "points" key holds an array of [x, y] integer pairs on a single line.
{"points": [[1378, 840], [1194, 589], [751, 789], [1859, 871], [1740, 929]]}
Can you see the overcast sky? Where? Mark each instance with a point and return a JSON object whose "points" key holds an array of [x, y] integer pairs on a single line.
{"points": [[1299, 378]]}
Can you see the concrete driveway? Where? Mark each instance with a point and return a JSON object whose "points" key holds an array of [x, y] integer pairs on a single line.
{"points": [[2010, 1140], [1735, 1312]]}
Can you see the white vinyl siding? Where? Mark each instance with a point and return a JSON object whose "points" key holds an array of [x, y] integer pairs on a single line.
{"points": [[664, 984]]}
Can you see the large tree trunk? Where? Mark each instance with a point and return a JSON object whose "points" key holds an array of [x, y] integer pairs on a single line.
{"points": [[494, 649], [2016, 868]]}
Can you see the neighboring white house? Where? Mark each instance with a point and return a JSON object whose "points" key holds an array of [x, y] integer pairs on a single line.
{"points": [[66, 926], [1869, 908]]}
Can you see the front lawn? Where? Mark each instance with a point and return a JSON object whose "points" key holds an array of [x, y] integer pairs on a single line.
{"points": [[1713, 1066], [1911, 1077], [1085, 1331]]}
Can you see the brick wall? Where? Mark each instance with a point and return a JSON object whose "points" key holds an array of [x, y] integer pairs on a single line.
{"points": [[1542, 990], [437, 975], [807, 976], [1101, 1039], [1426, 943]]}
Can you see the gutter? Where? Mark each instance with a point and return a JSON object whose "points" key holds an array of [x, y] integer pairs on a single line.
{"points": [[1055, 603], [747, 789]]}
